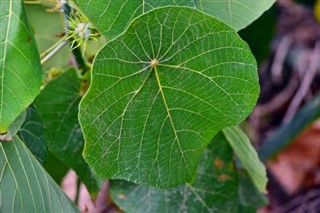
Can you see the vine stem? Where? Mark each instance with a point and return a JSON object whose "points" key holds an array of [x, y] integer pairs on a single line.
{"points": [[76, 199]]}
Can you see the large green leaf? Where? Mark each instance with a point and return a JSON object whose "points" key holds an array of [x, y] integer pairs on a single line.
{"points": [[214, 190], [111, 17], [58, 107], [25, 186], [33, 135], [248, 156], [20, 69], [161, 91]]}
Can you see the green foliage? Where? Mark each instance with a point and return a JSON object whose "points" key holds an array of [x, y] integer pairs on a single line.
{"points": [[214, 190], [260, 38], [56, 169], [60, 119], [47, 28], [161, 91], [25, 186], [170, 77], [250, 198], [112, 17], [14, 127], [242, 147], [20, 69], [33, 135]]}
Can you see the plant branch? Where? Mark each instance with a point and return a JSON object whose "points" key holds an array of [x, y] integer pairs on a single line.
{"points": [[46, 52], [48, 56], [76, 199], [305, 84]]}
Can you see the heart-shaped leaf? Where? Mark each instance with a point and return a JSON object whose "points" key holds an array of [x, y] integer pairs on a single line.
{"points": [[20, 69], [111, 17], [161, 91]]}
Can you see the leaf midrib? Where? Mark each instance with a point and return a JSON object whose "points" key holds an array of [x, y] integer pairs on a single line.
{"points": [[171, 120]]}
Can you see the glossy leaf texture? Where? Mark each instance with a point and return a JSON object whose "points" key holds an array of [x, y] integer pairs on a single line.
{"points": [[32, 133], [20, 69], [25, 186], [248, 156], [58, 107], [215, 188], [111, 17], [161, 91]]}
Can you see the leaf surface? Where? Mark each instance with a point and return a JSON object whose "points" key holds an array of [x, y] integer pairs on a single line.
{"points": [[58, 107], [25, 186], [20, 69], [248, 156], [32, 133], [214, 190], [111, 17], [161, 91]]}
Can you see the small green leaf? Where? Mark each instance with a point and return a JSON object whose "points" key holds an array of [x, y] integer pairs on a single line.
{"points": [[112, 17], [25, 186], [20, 69], [58, 107], [248, 156], [161, 91], [33, 135], [214, 190]]}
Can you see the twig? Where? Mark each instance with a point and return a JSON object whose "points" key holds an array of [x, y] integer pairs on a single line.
{"points": [[280, 56], [278, 101], [305, 85], [53, 52], [46, 52], [76, 199]]}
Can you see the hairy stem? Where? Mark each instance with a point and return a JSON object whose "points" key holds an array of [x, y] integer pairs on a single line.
{"points": [[81, 64]]}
